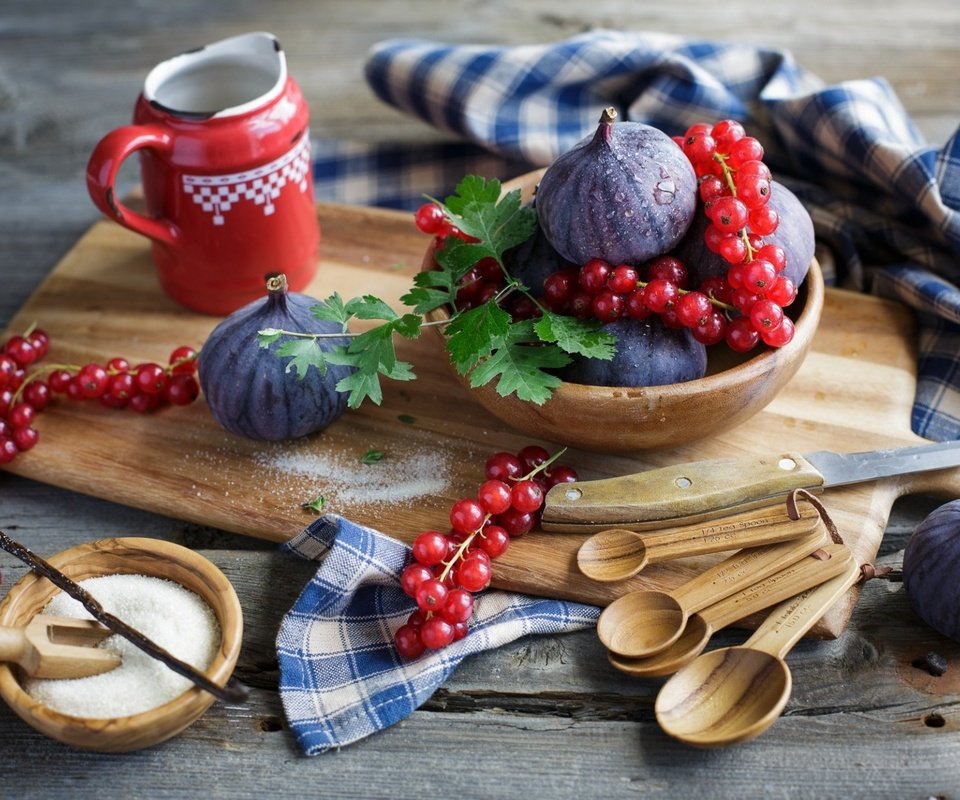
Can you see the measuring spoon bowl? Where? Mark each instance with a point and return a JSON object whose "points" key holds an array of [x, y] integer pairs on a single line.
{"points": [[642, 622], [691, 643], [724, 697]]}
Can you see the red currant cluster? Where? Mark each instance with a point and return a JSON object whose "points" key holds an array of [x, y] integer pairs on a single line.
{"points": [[24, 394], [734, 186], [448, 568], [599, 290]]}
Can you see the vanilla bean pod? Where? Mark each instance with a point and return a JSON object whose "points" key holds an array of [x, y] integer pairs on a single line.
{"points": [[233, 692]]}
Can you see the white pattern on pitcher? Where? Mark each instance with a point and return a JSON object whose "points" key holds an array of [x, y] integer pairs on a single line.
{"points": [[217, 194]]}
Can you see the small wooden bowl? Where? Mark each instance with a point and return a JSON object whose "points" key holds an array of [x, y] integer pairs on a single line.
{"points": [[129, 556], [624, 419]]}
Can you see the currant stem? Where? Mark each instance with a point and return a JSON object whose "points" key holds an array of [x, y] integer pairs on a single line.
{"points": [[728, 177], [464, 545]]}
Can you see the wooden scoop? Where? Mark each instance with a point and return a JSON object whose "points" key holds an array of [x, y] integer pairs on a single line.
{"points": [[644, 622], [58, 647], [733, 694], [806, 573], [617, 554]]}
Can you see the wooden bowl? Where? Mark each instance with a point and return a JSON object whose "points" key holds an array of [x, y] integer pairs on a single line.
{"points": [[624, 419], [137, 556]]}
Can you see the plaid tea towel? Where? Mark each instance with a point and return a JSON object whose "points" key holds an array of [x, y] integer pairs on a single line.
{"points": [[340, 676], [885, 202]]}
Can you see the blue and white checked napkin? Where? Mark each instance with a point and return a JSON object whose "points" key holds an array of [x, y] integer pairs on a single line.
{"points": [[884, 201], [341, 678]]}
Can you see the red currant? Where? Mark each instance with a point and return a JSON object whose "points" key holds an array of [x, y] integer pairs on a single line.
{"points": [[493, 540], [151, 378], [729, 214], [183, 361], [20, 350], [560, 473], [412, 577], [181, 389], [741, 336], [40, 340], [607, 306], [436, 632], [474, 573], [21, 415], [504, 467], [515, 522], [765, 315], [668, 268], [431, 595], [693, 309], [8, 450], [783, 292], [759, 275], [526, 496], [623, 279], [458, 606], [764, 220], [745, 149], [59, 380], [429, 218], [25, 438], [430, 547], [781, 335], [494, 495], [660, 294], [466, 515], [726, 132], [712, 330], [407, 641], [532, 456], [594, 275], [37, 394]]}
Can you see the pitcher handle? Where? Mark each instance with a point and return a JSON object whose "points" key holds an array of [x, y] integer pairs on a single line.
{"points": [[102, 169]]}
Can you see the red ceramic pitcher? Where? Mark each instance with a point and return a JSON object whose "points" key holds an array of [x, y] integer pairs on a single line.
{"points": [[225, 162]]}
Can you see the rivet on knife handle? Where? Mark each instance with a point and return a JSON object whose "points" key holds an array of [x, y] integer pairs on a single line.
{"points": [[678, 494]]}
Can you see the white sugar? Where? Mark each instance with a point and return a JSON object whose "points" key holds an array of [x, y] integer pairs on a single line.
{"points": [[174, 617], [347, 481]]}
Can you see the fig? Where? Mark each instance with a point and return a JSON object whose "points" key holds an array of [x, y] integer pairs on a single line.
{"points": [[648, 353], [794, 234], [626, 194], [931, 564], [249, 390]]}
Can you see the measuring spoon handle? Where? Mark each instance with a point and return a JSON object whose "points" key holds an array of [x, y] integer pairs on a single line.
{"points": [[749, 529], [743, 569], [789, 621], [789, 581]]}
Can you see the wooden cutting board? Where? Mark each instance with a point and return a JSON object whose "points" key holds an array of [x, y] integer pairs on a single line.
{"points": [[854, 392]]}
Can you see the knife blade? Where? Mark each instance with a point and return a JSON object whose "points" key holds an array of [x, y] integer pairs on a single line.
{"points": [[697, 491]]}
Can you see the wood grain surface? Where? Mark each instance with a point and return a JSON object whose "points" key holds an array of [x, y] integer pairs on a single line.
{"points": [[543, 715]]}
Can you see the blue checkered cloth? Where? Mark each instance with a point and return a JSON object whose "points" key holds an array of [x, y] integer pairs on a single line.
{"points": [[884, 201], [341, 678]]}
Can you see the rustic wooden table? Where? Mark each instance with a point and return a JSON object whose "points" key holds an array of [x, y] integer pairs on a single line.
{"points": [[545, 715]]}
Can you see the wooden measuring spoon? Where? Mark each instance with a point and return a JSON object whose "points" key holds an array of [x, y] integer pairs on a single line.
{"points": [[733, 694], [646, 621], [617, 554], [796, 578]]}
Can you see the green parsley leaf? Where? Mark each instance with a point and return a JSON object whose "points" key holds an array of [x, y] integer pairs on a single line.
{"points": [[303, 354], [316, 504], [331, 310], [519, 366], [472, 335], [372, 456], [579, 336]]}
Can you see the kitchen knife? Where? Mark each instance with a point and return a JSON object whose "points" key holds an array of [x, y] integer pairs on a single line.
{"points": [[701, 490]]}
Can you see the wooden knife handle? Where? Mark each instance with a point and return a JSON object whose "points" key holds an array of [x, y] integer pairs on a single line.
{"points": [[678, 494]]}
